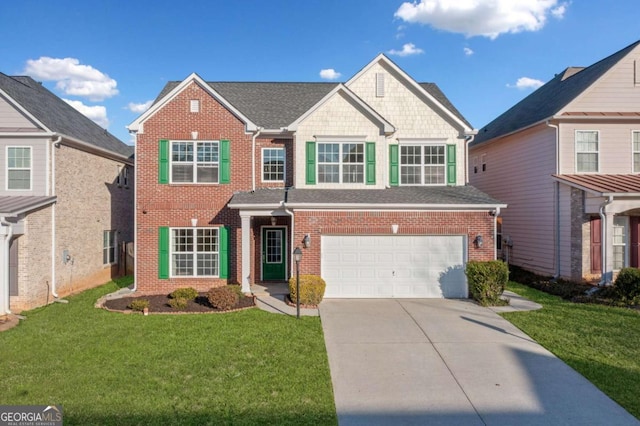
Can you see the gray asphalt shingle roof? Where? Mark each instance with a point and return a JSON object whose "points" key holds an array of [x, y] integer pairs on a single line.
{"points": [[549, 99], [402, 195], [59, 116]]}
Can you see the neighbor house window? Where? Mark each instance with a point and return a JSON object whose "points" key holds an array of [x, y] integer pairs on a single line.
{"points": [[587, 147], [619, 242], [195, 252], [195, 162], [422, 165], [109, 247], [341, 162], [123, 176], [273, 164], [636, 151], [19, 167], [483, 160], [499, 233]]}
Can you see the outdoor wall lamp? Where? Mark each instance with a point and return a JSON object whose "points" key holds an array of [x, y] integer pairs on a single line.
{"points": [[478, 241], [306, 241]]}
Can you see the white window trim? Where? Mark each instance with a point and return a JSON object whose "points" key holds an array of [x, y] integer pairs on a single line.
{"points": [[422, 165], [575, 147], [340, 163], [284, 165], [114, 242], [194, 162], [633, 152], [6, 171], [483, 162], [625, 261], [193, 253]]}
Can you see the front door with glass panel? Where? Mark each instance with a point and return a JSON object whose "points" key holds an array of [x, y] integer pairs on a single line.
{"points": [[273, 254]]}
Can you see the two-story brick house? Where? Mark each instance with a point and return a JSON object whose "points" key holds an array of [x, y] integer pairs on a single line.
{"points": [[367, 177], [566, 159], [66, 197]]}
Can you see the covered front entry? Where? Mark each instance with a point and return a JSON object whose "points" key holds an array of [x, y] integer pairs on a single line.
{"points": [[274, 258], [399, 266]]}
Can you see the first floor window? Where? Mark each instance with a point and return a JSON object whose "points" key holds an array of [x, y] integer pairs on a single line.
{"points": [[195, 252], [195, 162], [587, 143], [636, 152], [619, 242], [19, 167], [422, 165], [109, 247], [341, 162], [273, 164]]}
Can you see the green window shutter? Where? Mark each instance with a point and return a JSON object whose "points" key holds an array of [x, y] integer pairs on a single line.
{"points": [[225, 161], [224, 252], [371, 163], [311, 163], [451, 164], [163, 252], [393, 165], [163, 161]]}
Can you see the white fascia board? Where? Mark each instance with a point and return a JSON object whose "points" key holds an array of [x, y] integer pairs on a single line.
{"points": [[387, 126], [20, 108], [362, 206], [412, 82], [137, 125]]}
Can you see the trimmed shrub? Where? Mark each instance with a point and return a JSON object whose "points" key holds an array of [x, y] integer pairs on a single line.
{"points": [[628, 283], [178, 302], [139, 304], [187, 293], [487, 281], [238, 289], [223, 298], [311, 289]]}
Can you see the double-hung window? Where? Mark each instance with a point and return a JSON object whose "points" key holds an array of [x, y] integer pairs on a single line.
{"points": [[273, 165], [422, 165], [620, 226], [587, 148], [195, 162], [636, 151], [108, 247], [341, 162], [195, 252], [19, 168]]}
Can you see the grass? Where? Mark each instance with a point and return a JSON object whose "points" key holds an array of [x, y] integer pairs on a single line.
{"points": [[104, 368], [600, 342]]}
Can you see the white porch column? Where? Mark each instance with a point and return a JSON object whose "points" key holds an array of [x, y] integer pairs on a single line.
{"points": [[246, 253], [607, 262]]}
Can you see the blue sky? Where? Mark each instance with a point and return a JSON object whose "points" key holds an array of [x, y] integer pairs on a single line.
{"points": [[110, 58]]}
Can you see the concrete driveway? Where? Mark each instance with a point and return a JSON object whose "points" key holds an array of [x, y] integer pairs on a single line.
{"points": [[450, 362]]}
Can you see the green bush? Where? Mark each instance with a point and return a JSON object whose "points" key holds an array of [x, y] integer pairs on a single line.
{"points": [[487, 281], [223, 298], [628, 283], [178, 302], [311, 289], [238, 289], [139, 304], [187, 293]]}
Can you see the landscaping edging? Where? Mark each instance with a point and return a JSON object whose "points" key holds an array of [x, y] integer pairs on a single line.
{"points": [[101, 304]]}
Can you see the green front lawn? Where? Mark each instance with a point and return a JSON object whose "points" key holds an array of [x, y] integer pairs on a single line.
{"points": [[248, 367], [600, 342]]}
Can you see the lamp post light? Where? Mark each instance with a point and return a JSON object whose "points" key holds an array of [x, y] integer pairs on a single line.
{"points": [[297, 255]]}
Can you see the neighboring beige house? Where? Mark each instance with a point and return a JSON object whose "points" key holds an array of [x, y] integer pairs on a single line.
{"points": [[566, 159], [66, 197]]}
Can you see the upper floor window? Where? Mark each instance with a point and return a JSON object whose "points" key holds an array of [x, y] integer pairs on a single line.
{"points": [[19, 167], [273, 164], [123, 176], [636, 151], [194, 161], [341, 162], [587, 148], [195, 252], [422, 165]]}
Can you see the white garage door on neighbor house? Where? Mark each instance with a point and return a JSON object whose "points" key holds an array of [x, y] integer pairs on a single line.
{"points": [[399, 266]]}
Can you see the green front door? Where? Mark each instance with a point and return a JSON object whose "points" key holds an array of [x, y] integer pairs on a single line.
{"points": [[273, 254]]}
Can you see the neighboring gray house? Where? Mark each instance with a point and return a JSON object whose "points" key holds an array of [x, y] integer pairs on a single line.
{"points": [[66, 197], [566, 159]]}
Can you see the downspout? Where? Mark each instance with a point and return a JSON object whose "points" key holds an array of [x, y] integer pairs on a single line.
{"points": [[557, 200], [135, 218], [603, 239], [5, 262], [470, 139], [54, 143], [253, 158], [496, 213], [293, 229]]}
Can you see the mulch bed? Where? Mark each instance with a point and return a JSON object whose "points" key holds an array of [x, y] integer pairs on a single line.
{"points": [[159, 303]]}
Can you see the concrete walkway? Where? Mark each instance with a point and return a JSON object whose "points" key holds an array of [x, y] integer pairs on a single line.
{"points": [[450, 362], [271, 298]]}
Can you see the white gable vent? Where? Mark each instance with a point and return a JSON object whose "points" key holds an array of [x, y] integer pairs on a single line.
{"points": [[195, 105], [379, 85]]}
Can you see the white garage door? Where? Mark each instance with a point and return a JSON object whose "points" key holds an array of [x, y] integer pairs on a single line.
{"points": [[403, 266]]}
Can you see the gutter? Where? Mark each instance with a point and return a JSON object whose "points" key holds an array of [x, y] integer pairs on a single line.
{"points": [[496, 213], [557, 200], [603, 241], [253, 158], [471, 136], [54, 143], [89, 147], [5, 263]]}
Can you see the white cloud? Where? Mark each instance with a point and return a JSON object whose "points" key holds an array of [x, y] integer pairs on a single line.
{"points": [[488, 18], [139, 108], [524, 83], [408, 49], [329, 74], [468, 51], [97, 113], [72, 78]]}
